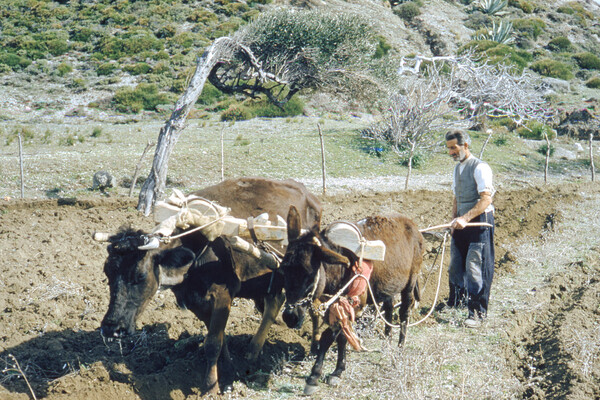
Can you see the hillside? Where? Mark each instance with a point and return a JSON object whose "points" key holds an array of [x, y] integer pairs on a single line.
{"points": [[70, 58]]}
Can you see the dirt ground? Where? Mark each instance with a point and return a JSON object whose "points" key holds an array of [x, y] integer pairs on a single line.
{"points": [[53, 295]]}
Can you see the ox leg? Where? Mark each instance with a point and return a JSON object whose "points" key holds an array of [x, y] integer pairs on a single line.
{"points": [[334, 378], [324, 344], [388, 308], [316, 334], [213, 343], [271, 309], [408, 299]]}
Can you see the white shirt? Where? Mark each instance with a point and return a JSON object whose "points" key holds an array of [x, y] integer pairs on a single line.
{"points": [[483, 179]]}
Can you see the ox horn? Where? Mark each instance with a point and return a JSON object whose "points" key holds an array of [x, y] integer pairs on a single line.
{"points": [[101, 236], [150, 243], [317, 242]]}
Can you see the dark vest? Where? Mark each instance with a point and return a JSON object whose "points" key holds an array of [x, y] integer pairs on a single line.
{"points": [[465, 186]]}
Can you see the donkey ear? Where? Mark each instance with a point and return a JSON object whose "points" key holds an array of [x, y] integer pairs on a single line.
{"points": [[331, 257], [294, 224]]}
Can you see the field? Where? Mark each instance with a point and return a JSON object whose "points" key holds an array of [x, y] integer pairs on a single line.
{"points": [[541, 340]]}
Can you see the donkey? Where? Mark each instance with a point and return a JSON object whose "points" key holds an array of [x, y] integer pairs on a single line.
{"points": [[314, 268]]}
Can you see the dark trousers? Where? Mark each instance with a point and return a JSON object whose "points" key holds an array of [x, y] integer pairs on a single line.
{"points": [[472, 263]]}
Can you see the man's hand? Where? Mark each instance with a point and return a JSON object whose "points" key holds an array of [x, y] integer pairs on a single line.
{"points": [[459, 223]]}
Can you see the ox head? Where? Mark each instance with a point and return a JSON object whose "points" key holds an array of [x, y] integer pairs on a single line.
{"points": [[304, 276], [134, 275]]}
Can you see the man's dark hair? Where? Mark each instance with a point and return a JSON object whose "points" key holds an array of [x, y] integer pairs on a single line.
{"points": [[461, 137]]}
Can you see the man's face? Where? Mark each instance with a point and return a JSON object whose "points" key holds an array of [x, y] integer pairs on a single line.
{"points": [[457, 152]]}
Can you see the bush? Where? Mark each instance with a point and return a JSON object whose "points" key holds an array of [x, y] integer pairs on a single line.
{"points": [[407, 11], [236, 112], [264, 108], [106, 68], [532, 27], [96, 132], [383, 47], [498, 53], [535, 130], [524, 5], [544, 147], [587, 60], [144, 96], [64, 68], [593, 83], [138, 68], [552, 68], [14, 61], [560, 43], [210, 95]]}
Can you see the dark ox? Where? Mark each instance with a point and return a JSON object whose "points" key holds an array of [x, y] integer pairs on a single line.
{"points": [[311, 252], [205, 276]]}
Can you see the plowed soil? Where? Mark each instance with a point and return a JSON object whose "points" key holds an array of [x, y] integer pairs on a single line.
{"points": [[53, 295]]}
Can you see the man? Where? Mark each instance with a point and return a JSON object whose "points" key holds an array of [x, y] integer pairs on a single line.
{"points": [[472, 249]]}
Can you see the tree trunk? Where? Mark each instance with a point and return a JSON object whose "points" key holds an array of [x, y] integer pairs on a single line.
{"points": [[154, 185]]}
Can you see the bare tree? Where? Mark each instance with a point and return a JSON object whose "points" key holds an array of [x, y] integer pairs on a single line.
{"points": [[438, 93], [276, 56]]}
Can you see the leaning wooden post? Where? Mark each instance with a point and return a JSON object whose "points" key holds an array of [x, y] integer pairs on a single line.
{"points": [[21, 165], [490, 133], [592, 157], [136, 173], [322, 158]]}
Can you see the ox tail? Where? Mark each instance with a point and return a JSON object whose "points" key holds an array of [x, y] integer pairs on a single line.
{"points": [[417, 293]]}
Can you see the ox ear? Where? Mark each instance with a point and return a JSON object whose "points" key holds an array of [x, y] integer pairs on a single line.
{"points": [[331, 257], [294, 224], [173, 264]]}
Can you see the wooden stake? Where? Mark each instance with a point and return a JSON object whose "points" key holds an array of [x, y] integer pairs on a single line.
{"points": [[322, 157], [222, 154], [592, 157], [444, 226], [136, 173], [21, 165]]}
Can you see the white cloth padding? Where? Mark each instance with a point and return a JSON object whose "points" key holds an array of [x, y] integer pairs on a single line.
{"points": [[346, 235]]}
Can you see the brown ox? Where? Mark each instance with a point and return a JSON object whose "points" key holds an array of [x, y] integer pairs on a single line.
{"points": [[205, 276], [314, 268]]}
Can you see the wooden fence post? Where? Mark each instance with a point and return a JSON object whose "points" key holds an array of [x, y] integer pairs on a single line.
{"points": [[21, 165], [322, 157]]}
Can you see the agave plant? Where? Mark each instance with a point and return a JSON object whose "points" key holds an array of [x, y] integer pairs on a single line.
{"points": [[501, 33], [491, 7]]}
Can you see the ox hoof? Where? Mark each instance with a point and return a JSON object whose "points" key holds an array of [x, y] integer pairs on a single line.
{"points": [[310, 389], [333, 380]]}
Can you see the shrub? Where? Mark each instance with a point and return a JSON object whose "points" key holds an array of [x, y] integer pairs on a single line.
{"points": [[264, 108], [14, 61], [535, 130], [524, 5], [144, 96], [236, 112], [574, 8], [560, 43], [106, 68], [552, 68], [64, 68], [407, 11], [138, 68], [532, 27], [96, 132], [593, 83], [587, 60], [210, 95], [57, 47], [496, 53], [544, 147], [382, 47]]}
